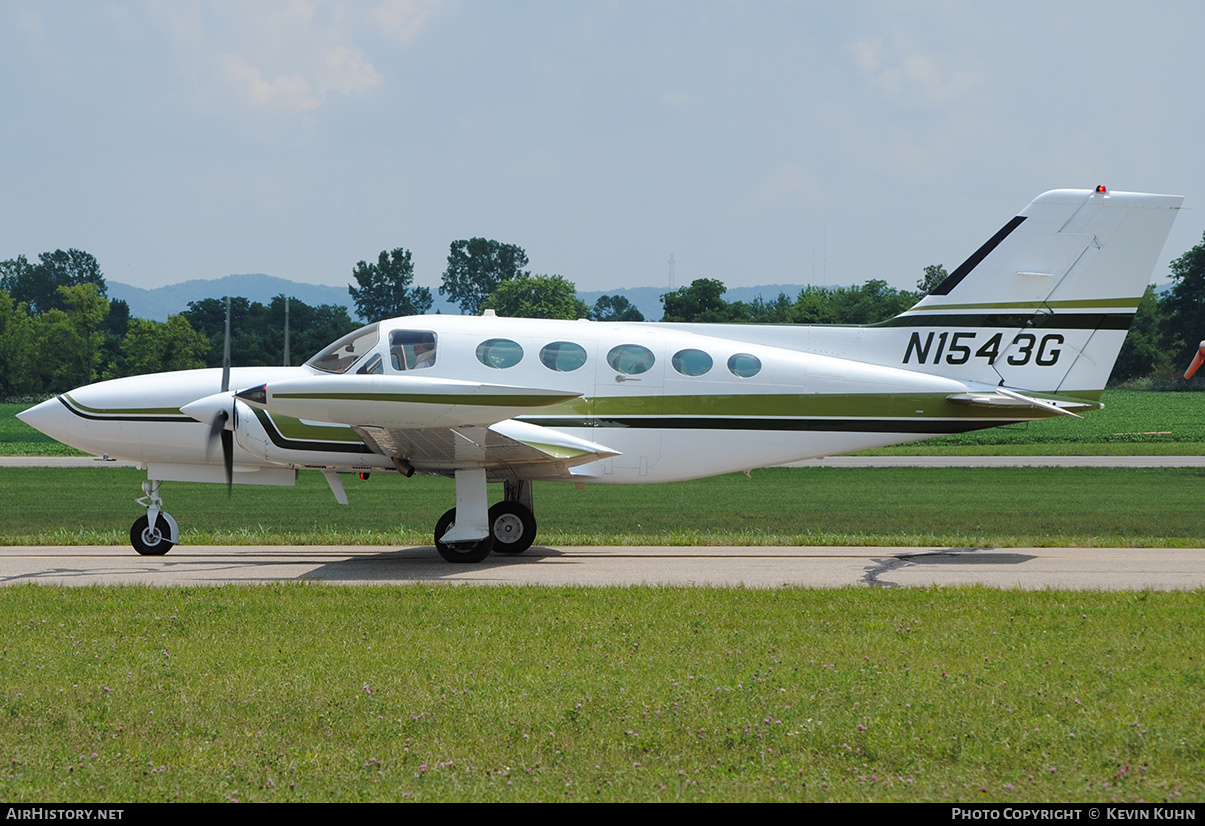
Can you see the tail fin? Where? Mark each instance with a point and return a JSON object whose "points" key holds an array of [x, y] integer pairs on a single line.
{"points": [[1045, 304]]}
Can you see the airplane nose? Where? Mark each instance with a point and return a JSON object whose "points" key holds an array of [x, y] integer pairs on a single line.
{"points": [[49, 417]]}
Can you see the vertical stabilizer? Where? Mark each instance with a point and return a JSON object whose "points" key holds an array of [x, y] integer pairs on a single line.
{"points": [[1046, 302]]}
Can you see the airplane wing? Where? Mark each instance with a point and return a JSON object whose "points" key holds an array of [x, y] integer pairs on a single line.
{"points": [[507, 450], [434, 425]]}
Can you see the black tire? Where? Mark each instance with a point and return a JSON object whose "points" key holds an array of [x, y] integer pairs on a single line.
{"points": [[469, 552], [148, 542], [513, 528]]}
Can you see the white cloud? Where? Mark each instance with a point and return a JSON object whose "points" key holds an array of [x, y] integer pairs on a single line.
{"points": [[912, 76], [286, 55], [404, 20], [351, 72], [289, 92]]}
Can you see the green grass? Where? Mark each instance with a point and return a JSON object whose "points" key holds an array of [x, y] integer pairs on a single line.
{"points": [[307, 693], [1131, 423], [315, 693], [1149, 507]]}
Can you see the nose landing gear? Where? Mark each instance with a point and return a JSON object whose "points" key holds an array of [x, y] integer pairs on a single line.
{"points": [[155, 533]]}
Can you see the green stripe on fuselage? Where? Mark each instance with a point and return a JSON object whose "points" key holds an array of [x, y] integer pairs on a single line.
{"points": [[508, 400], [822, 405], [124, 412], [292, 428]]}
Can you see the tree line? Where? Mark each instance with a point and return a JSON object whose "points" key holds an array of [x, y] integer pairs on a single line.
{"points": [[59, 329]]}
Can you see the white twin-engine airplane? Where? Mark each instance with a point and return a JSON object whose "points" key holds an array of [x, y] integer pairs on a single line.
{"points": [[1027, 328]]}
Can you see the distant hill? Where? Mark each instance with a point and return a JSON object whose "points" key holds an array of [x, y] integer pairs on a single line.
{"points": [[159, 303]]}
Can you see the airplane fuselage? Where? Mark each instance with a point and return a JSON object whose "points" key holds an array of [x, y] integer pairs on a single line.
{"points": [[672, 404]]}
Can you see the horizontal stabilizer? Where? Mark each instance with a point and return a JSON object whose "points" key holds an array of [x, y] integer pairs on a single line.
{"points": [[1001, 397]]}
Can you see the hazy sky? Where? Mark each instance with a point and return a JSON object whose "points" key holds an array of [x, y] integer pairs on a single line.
{"points": [[757, 142]]}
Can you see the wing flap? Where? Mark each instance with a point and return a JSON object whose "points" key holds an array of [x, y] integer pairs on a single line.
{"points": [[507, 450], [1003, 398]]}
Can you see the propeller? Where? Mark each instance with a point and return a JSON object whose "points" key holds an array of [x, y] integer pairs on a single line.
{"points": [[220, 412], [1197, 361], [227, 435]]}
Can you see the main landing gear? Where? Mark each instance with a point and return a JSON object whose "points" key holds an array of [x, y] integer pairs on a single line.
{"points": [[509, 526], [155, 533]]}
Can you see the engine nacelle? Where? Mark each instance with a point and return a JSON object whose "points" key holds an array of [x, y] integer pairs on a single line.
{"points": [[291, 442]]}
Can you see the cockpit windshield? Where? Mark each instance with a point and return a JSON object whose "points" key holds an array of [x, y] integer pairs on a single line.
{"points": [[340, 356]]}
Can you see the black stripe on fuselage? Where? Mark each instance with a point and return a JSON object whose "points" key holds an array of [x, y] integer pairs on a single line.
{"points": [[927, 426], [953, 279], [166, 418], [1035, 321]]}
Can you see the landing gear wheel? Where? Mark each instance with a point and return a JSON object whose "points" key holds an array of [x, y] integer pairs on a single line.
{"points": [[150, 542], [513, 527], [461, 551]]}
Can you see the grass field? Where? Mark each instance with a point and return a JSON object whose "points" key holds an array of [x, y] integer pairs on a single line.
{"points": [[949, 507], [317, 693], [304, 693], [1131, 423]]}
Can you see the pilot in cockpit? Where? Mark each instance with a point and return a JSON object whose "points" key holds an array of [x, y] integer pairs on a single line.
{"points": [[411, 350]]}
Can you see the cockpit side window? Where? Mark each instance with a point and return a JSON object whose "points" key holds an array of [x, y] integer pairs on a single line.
{"points": [[340, 356], [412, 349], [374, 366]]}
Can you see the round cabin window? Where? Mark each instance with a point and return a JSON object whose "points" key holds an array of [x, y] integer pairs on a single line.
{"points": [[744, 365], [631, 359], [563, 356], [691, 362], [499, 353]]}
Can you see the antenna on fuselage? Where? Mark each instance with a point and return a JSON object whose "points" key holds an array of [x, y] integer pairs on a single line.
{"points": [[671, 270]]}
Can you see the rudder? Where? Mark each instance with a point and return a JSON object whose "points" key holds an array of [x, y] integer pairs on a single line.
{"points": [[1046, 302]]}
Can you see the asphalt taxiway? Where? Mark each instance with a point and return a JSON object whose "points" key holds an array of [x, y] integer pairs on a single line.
{"points": [[1106, 569]]}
